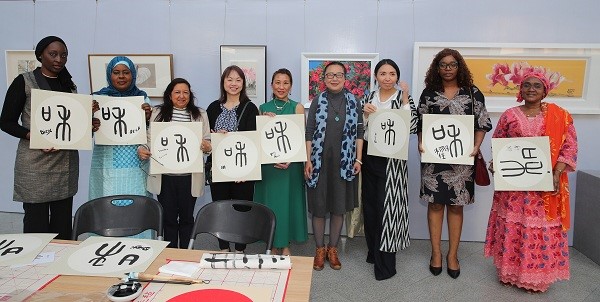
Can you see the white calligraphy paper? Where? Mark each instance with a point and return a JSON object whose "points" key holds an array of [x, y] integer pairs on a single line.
{"points": [[389, 131], [60, 120], [236, 156], [108, 256], [281, 138], [522, 164], [122, 120], [17, 249], [447, 139], [245, 261], [175, 147]]}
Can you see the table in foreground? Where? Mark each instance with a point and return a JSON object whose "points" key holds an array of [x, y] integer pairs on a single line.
{"points": [[77, 287]]}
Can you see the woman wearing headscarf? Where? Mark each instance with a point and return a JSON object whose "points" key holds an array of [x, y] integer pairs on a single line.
{"points": [[527, 230], [45, 180], [117, 169]]}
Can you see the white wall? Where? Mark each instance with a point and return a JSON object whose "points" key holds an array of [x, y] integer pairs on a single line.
{"points": [[192, 31]]}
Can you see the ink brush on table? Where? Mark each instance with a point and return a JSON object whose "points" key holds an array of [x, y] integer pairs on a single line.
{"points": [[143, 277]]}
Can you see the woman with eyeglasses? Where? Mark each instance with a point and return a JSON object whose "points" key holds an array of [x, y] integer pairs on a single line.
{"points": [[449, 89], [385, 180], [177, 193], [527, 230], [334, 139]]}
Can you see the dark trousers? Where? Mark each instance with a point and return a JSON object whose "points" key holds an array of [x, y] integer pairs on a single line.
{"points": [[373, 197], [36, 219], [232, 190], [178, 209]]}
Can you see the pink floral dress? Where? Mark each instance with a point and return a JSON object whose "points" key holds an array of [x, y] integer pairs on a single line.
{"points": [[529, 251]]}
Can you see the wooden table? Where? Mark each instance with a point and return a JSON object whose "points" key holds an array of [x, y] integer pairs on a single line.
{"points": [[71, 288]]}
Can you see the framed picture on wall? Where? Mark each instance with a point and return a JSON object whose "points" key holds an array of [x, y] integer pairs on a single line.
{"points": [[252, 59], [359, 77], [498, 68], [18, 62], [154, 71]]}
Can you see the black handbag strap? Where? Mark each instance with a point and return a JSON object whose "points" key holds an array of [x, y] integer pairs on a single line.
{"points": [[240, 117]]}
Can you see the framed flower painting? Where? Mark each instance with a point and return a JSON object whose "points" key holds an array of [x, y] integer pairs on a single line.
{"points": [[252, 59], [359, 76], [498, 70]]}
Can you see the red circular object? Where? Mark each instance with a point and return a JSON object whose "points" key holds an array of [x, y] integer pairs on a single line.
{"points": [[220, 295]]}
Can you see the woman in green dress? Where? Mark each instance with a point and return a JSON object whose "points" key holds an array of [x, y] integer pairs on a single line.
{"points": [[282, 184]]}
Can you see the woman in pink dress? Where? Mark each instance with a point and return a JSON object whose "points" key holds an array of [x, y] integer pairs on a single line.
{"points": [[527, 230]]}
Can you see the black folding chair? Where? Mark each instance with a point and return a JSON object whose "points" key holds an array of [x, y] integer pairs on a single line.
{"points": [[238, 221], [119, 216]]}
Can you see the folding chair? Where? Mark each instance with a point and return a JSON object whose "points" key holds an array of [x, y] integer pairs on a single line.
{"points": [[119, 216], [238, 221]]}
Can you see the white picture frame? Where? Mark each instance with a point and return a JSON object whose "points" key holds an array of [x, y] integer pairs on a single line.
{"points": [[287, 146], [155, 71], [229, 166], [510, 174], [167, 156], [579, 94], [18, 62], [122, 120], [252, 59], [453, 144], [60, 120], [313, 65], [389, 133]]}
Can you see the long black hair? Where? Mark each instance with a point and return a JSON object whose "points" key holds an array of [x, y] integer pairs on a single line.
{"points": [[166, 109]]}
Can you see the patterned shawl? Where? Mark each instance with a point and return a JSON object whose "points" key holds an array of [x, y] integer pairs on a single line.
{"points": [[557, 121], [348, 143]]}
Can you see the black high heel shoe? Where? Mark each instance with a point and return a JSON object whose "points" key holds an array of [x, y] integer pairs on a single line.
{"points": [[434, 270], [454, 273]]}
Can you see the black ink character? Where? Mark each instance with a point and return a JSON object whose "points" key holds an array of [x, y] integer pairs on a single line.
{"points": [[5, 247], [132, 258], [282, 139], [99, 261], [105, 113], [530, 167], [438, 134], [66, 128], [241, 158], [182, 153], [46, 115], [390, 134], [456, 143], [119, 113], [164, 141]]}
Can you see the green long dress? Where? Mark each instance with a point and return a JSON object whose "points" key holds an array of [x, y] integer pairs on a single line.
{"points": [[283, 190]]}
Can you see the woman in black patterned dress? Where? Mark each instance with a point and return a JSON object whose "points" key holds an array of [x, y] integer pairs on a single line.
{"points": [[449, 89]]}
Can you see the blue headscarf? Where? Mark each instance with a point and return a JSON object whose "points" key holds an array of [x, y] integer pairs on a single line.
{"points": [[110, 90]]}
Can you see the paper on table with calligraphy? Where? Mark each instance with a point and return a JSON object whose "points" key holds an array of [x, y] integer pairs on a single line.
{"points": [[522, 164], [122, 120], [60, 120], [245, 261], [447, 139], [389, 131], [281, 138], [109, 257], [175, 147], [236, 156], [16, 249]]}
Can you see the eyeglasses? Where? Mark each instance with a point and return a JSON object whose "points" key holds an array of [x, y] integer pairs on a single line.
{"points": [[331, 75], [452, 65], [536, 86]]}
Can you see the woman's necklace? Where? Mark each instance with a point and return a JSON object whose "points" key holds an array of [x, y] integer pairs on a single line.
{"points": [[279, 108], [337, 112], [531, 112], [48, 76]]}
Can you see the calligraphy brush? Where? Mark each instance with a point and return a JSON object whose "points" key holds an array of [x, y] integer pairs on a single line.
{"points": [[143, 277]]}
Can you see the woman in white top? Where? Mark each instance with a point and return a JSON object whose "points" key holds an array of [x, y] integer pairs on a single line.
{"points": [[384, 180]]}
